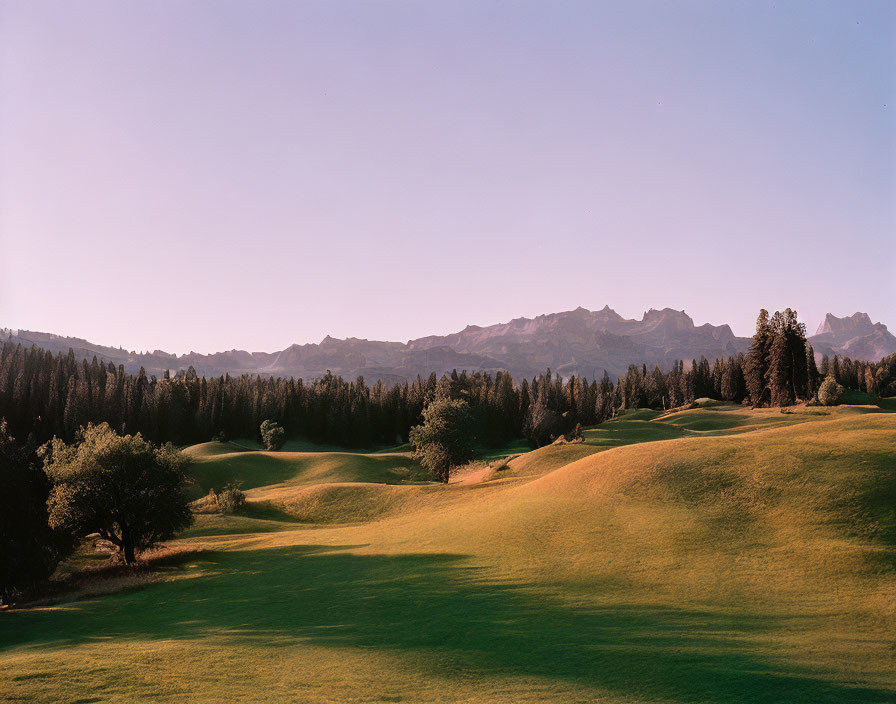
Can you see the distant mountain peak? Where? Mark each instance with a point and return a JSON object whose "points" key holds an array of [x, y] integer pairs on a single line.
{"points": [[577, 341], [664, 312], [607, 313], [853, 336], [835, 326]]}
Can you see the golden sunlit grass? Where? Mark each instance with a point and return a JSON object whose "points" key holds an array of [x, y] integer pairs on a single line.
{"points": [[712, 555]]}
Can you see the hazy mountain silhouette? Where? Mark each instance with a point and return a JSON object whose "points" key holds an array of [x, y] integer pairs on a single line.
{"points": [[853, 336], [579, 341]]}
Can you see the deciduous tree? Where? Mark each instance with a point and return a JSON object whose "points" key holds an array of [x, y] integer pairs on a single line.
{"points": [[129, 491], [445, 439]]}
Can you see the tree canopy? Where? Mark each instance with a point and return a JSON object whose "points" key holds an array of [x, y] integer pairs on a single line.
{"points": [[29, 548], [129, 491], [445, 439]]}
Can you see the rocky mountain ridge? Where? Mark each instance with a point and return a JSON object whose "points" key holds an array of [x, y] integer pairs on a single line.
{"points": [[853, 336], [579, 341]]}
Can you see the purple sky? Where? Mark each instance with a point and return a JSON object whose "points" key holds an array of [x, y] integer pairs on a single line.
{"points": [[209, 175]]}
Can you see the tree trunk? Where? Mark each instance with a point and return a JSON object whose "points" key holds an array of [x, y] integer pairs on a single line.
{"points": [[127, 547]]}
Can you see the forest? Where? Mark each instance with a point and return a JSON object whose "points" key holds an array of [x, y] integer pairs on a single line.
{"points": [[44, 395]]}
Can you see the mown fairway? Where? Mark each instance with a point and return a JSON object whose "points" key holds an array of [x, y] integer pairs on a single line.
{"points": [[711, 555]]}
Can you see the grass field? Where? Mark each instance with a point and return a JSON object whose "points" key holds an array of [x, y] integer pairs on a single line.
{"points": [[717, 554]]}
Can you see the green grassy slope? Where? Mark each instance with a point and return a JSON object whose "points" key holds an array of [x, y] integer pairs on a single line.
{"points": [[257, 468], [690, 558], [212, 449]]}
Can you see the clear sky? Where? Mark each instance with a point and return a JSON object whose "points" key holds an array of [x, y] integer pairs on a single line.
{"points": [[214, 175]]}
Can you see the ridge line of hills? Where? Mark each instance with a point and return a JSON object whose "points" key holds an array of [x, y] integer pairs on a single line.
{"points": [[579, 341]]}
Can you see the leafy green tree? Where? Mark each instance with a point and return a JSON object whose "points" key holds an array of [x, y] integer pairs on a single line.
{"points": [[29, 548], [446, 437], [272, 435], [129, 491]]}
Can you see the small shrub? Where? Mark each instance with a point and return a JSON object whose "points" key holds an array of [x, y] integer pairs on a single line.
{"points": [[272, 435], [830, 392], [576, 435], [230, 498]]}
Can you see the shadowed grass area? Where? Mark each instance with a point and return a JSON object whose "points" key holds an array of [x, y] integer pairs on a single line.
{"points": [[488, 454], [253, 469], [254, 519], [453, 619], [862, 398], [624, 431], [716, 419], [207, 449]]}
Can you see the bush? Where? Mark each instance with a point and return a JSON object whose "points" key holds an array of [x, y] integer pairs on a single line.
{"points": [[576, 434], [230, 498], [830, 392], [272, 435]]}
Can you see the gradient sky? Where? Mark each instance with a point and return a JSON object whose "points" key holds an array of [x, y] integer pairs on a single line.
{"points": [[213, 175]]}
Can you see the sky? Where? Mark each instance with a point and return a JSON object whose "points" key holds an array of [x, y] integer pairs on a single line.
{"points": [[191, 175]]}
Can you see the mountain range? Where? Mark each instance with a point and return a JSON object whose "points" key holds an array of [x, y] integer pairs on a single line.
{"points": [[579, 341]]}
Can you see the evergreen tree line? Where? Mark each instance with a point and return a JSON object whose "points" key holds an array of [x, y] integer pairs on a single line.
{"points": [[45, 395]]}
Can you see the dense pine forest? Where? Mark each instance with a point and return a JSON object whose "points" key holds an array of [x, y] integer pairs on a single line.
{"points": [[44, 395]]}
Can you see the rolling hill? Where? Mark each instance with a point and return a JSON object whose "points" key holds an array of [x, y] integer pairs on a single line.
{"points": [[717, 554]]}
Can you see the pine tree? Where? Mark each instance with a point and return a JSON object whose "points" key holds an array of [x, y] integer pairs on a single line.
{"points": [[834, 371], [795, 334], [813, 377], [756, 367]]}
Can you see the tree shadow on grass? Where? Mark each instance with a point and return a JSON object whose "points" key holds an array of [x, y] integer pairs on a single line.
{"points": [[448, 618]]}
